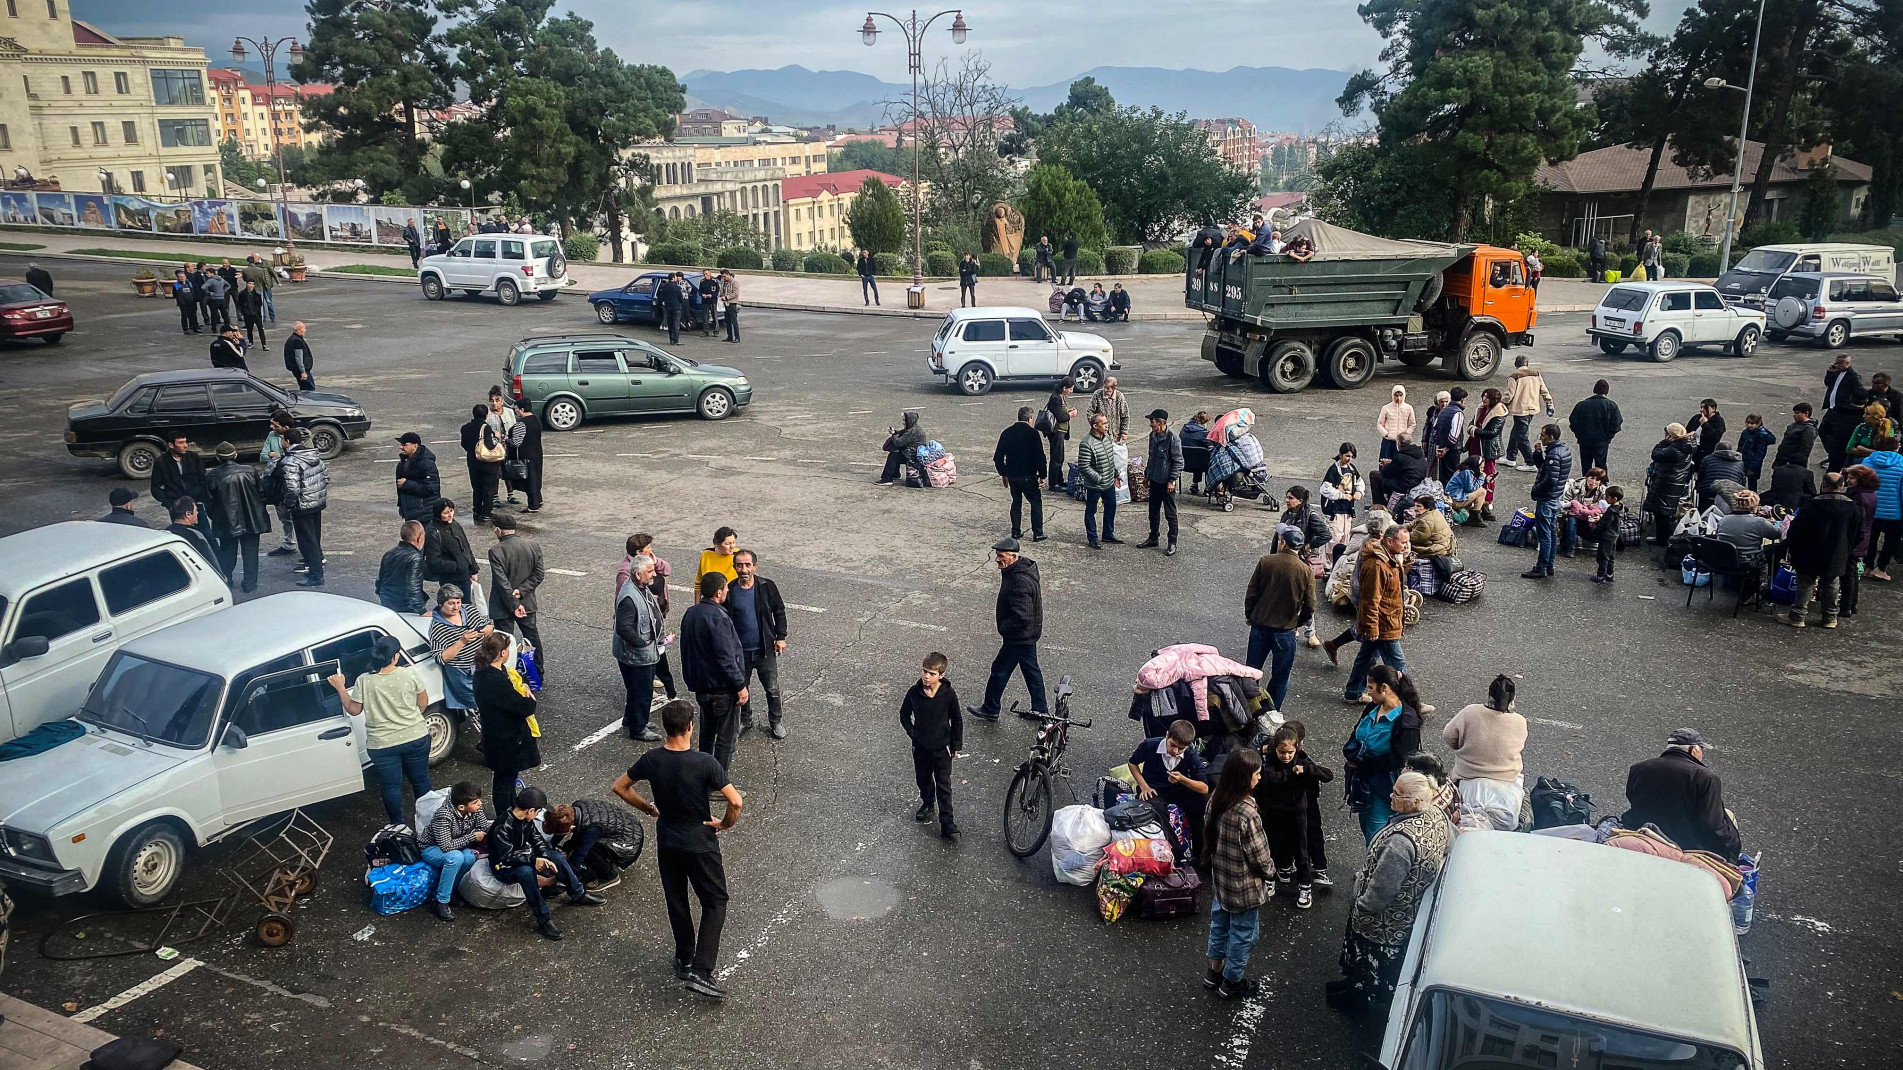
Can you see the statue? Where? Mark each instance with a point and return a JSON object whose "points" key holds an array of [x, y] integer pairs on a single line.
{"points": [[1004, 231]]}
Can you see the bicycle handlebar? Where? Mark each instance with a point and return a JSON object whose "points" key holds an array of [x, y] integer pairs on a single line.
{"points": [[1050, 718]]}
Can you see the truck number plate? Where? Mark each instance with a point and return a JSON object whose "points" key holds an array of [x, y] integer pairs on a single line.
{"points": [[1232, 293]]}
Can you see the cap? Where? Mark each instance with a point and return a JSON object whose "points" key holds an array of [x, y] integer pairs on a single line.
{"points": [[122, 496], [1685, 737], [1291, 536], [410, 438], [1158, 414], [226, 452], [1005, 546]]}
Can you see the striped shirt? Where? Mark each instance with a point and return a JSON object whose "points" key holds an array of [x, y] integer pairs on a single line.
{"points": [[443, 635]]}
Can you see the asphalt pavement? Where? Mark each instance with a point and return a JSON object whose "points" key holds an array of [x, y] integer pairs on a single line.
{"points": [[857, 938]]}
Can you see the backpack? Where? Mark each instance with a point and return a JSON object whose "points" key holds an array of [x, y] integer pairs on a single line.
{"points": [[1462, 586], [393, 845], [1558, 802]]}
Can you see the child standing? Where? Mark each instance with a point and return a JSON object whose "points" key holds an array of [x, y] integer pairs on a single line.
{"points": [[930, 715], [1317, 849], [1282, 796], [1754, 443], [1605, 533]]}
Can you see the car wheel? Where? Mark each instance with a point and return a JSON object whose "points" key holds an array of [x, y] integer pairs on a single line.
{"points": [[1479, 356], [1349, 363], [1836, 335], [328, 440], [716, 404], [442, 733], [1611, 348], [605, 312], [1289, 367], [1747, 341], [432, 288], [53, 339], [1665, 347], [136, 459], [546, 295], [507, 293], [145, 865], [974, 379], [1088, 376], [562, 414]]}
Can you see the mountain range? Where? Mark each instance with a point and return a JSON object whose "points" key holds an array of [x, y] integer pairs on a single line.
{"points": [[1273, 98]]}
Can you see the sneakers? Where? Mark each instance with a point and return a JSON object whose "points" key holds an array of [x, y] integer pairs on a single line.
{"points": [[441, 910], [1321, 879], [885, 482], [586, 899], [979, 712], [1304, 897], [1243, 989], [1829, 622], [926, 812], [602, 886], [1314, 642], [1170, 550], [1212, 978], [1791, 619], [1285, 875], [549, 929], [704, 984], [1040, 537], [1333, 650]]}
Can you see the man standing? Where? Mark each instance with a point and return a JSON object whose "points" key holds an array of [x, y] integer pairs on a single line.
{"points": [[276, 443], [297, 358], [637, 647], [1164, 466], [730, 297], [228, 349], [39, 278], [515, 572], [1061, 414], [1594, 422], [1843, 410], [442, 235], [1110, 402], [305, 485], [216, 290], [187, 300], [1821, 540], [400, 573], [1378, 618], [709, 291], [180, 473], [121, 500], [525, 445], [714, 668], [759, 619], [418, 484], [968, 280], [1526, 397], [1555, 463], [1888, 396], [1450, 434], [238, 514], [1070, 259], [1799, 439], [868, 277], [672, 302], [414, 242], [185, 521], [1676, 792], [1019, 459], [1097, 471], [1020, 625], [1709, 425], [1281, 598], [687, 847], [1041, 259]]}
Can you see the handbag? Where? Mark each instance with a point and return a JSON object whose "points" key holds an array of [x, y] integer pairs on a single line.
{"points": [[485, 452], [515, 471]]}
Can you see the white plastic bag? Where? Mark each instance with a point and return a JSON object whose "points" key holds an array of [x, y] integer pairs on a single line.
{"points": [[426, 807], [1079, 835], [1490, 804], [1120, 458]]}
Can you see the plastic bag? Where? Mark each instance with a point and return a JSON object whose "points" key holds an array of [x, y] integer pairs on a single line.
{"points": [[1079, 835], [426, 807], [1151, 856], [1490, 804], [1115, 891], [1120, 458], [482, 889], [395, 889]]}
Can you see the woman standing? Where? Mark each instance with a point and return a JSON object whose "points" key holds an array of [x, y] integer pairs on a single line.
{"points": [[1235, 853], [509, 729], [1489, 441], [1396, 419], [391, 702], [1404, 859], [1341, 490], [1487, 741], [483, 451], [1389, 731], [456, 629], [1861, 484]]}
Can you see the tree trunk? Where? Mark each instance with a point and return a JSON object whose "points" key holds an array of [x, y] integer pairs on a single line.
{"points": [[614, 227], [1776, 136], [1463, 218], [412, 154], [1645, 190]]}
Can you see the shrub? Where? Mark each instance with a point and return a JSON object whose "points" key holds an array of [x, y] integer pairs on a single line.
{"points": [[1121, 259], [1676, 265], [994, 264], [786, 260], [1777, 233], [937, 246], [1702, 266], [1533, 243], [1627, 265], [1563, 264], [826, 264], [682, 253], [739, 257], [582, 246], [1090, 261], [891, 264], [941, 263], [1683, 241], [1027, 261], [1160, 262]]}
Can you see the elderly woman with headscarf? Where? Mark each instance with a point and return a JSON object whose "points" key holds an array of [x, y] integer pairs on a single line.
{"points": [[1668, 480], [1403, 861], [901, 450]]}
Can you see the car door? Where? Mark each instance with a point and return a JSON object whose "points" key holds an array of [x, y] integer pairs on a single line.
{"points": [[656, 383], [597, 376], [184, 408], [1886, 307], [1030, 348], [457, 270], [244, 413], [297, 745], [636, 300], [483, 265], [1716, 323], [1674, 312], [52, 684], [154, 589], [1505, 298], [983, 340], [544, 372]]}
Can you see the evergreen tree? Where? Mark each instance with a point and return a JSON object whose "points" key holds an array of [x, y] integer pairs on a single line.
{"points": [[1057, 203], [388, 65], [877, 219]]}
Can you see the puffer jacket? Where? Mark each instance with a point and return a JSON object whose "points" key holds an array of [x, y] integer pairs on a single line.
{"points": [[1670, 474], [616, 822], [1097, 463], [1196, 663], [1724, 464], [1020, 603], [306, 480], [1379, 615], [1888, 466], [1556, 467], [1431, 534]]}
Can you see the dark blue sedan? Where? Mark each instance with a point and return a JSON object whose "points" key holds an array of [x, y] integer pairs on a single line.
{"points": [[634, 303]]}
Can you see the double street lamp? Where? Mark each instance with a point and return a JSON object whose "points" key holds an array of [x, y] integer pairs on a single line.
{"points": [[1744, 124], [914, 32], [268, 49]]}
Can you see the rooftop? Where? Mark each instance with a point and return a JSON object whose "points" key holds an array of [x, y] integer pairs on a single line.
{"points": [[251, 633], [31, 557], [835, 183], [1621, 169]]}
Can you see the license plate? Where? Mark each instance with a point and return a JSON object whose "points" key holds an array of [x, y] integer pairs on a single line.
{"points": [[1611, 322], [43, 314]]}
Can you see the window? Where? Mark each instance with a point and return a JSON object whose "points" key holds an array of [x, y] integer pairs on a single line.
{"points": [[66, 85], [1029, 331], [91, 79], [138, 181], [462, 248], [174, 133], [58, 611], [177, 87], [984, 331], [131, 131], [52, 9], [141, 580], [352, 653], [120, 83], [13, 9], [211, 171], [179, 178], [141, 404], [643, 359], [545, 364], [239, 397], [1708, 300], [485, 249], [1506, 273], [512, 250], [99, 133], [6, 139], [74, 130], [1676, 302], [1879, 290], [282, 693], [595, 362], [181, 399]]}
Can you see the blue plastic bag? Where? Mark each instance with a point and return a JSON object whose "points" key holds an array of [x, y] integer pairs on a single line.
{"points": [[525, 663], [1783, 587], [395, 889]]}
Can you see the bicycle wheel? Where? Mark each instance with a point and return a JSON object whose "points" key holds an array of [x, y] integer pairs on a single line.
{"points": [[1027, 811]]}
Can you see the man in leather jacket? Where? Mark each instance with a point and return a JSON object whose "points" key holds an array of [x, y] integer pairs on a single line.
{"points": [[400, 573]]}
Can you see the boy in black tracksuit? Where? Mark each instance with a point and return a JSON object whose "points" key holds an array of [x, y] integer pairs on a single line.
{"points": [[931, 715], [1317, 845], [1282, 795], [1605, 533]]}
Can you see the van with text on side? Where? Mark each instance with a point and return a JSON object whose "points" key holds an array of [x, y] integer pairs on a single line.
{"points": [[1750, 280]]}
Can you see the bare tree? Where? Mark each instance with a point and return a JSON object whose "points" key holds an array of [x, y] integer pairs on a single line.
{"points": [[961, 116]]}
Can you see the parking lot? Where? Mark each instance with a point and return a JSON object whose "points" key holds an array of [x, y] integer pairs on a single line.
{"points": [[856, 938]]}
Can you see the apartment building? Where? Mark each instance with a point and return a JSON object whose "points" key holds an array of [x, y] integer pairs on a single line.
{"points": [[816, 207], [1234, 140], [252, 115], [696, 176]]}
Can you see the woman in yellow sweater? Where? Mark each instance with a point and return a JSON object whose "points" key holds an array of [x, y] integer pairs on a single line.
{"points": [[719, 557]]}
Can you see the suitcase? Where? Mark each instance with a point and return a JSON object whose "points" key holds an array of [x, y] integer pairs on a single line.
{"points": [[1519, 530], [1169, 896]]}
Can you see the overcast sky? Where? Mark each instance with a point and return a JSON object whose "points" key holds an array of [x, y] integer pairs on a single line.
{"points": [[1030, 44]]}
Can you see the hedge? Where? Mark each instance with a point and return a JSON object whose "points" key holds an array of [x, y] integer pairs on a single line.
{"points": [[1775, 233], [1683, 241], [684, 253], [1121, 259], [740, 257], [1627, 265], [1027, 262], [1564, 265], [786, 260], [941, 263], [891, 264], [994, 264], [1160, 262], [1702, 266], [1090, 261], [581, 246], [1676, 265], [826, 264]]}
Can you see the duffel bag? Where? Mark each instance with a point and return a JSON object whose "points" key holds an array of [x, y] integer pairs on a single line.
{"points": [[1629, 532], [393, 845], [1557, 802], [1519, 530], [1462, 586], [396, 888], [1109, 792], [1171, 895], [1423, 577]]}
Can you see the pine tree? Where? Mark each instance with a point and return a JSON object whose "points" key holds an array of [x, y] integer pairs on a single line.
{"points": [[388, 65], [877, 219]]}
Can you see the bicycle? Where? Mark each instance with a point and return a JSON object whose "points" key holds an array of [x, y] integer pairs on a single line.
{"points": [[1027, 803]]}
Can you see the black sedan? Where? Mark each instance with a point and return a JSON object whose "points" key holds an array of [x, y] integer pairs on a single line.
{"points": [[210, 405]]}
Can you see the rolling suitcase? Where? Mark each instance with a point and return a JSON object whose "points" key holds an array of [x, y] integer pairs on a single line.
{"points": [[1169, 896]]}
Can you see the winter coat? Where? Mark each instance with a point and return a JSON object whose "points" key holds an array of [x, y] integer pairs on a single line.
{"points": [[250, 305], [1097, 463], [1866, 522], [711, 658], [1307, 519], [1020, 603], [1595, 419], [768, 610], [525, 438], [1822, 535], [1431, 535], [422, 484], [1670, 475], [1405, 471], [1490, 434], [297, 355], [226, 353], [1020, 452], [1753, 444], [1556, 467], [1799, 439], [1791, 486], [1843, 389], [1379, 576], [1281, 592], [1196, 663], [1685, 800], [1723, 464], [1166, 459], [1888, 466], [1282, 789], [237, 501], [507, 745], [1396, 419], [967, 273], [1527, 393], [513, 843], [305, 480], [447, 557], [400, 580]]}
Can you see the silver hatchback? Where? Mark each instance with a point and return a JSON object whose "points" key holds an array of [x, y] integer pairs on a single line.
{"points": [[1833, 309]]}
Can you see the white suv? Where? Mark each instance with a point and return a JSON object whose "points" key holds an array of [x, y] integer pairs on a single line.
{"points": [[507, 265], [1665, 318], [976, 347]]}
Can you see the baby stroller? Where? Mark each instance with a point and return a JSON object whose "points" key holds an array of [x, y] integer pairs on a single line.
{"points": [[1236, 468]]}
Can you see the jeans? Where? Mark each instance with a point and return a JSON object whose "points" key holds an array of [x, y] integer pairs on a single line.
{"points": [[1546, 530], [639, 681], [449, 867], [932, 770], [1376, 816], [719, 724], [524, 876], [1021, 489], [1163, 502], [1388, 650], [1808, 587], [1014, 656], [767, 663], [270, 306], [967, 289], [228, 553], [1519, 445], [733, 322], [587, 859], [394, 765], [869, 289], [1109, 500], [703, 870], [1279, 642], [310, 541], [1568, 533], [1232, 935]]}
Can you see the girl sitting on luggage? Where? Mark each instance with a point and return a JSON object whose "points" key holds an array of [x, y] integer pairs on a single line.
{"points": [[1288, 775]]}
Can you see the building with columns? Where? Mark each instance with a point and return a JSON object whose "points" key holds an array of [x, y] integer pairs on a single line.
{"points": [[696, 176]]}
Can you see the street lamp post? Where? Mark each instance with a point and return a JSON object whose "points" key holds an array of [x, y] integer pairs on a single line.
{"points": [[268, 49], [105, 181], [1744, 124], [914, 32]]}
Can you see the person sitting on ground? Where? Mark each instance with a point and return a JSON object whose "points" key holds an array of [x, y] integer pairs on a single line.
{"points": [[520, 854], [1467, 493], [1432, 536], [901, 450], [580, 831], [1166, 765], [1404, 859], [1487, 740], [1096, 303], [1119, 304], [1676, 792], [1403, 473], [450, 840], [1300, 249]]}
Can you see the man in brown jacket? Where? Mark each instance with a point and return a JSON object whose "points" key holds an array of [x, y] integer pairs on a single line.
{"points": [[1378, 621], [1281, 598], [1526, 397]]}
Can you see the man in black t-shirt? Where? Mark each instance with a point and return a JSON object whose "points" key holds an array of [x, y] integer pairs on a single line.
{"points": [[688, 850]]}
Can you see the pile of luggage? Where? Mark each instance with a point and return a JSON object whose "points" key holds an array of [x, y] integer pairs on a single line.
{"points": [[1136, 852], [941, 469]]}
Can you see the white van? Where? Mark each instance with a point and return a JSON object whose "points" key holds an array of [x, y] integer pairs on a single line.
{"points": [[72, 593], [1750, 279]]}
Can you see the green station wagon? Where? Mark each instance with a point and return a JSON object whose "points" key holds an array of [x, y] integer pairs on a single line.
{"points": [[574, 377]]}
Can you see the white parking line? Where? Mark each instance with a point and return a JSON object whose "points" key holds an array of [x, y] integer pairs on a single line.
{"points": [[614, 726], [564, 572], [149, 985], [861, 412], [590, 431], [918, 624], [637, 455]]}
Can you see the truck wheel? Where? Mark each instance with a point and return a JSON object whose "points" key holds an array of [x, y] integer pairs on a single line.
{"points": [[1479, 356], [1665, 347], [1289, 367], [1349, 363], [145, 865]]}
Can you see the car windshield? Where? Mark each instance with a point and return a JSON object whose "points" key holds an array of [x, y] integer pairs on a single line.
{"points": [[153, 700], [16, 292], [1765, 262], [1623, 299], [1454, 1029], [1789, 286]]}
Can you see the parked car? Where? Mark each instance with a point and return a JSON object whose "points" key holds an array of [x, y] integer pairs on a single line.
{"points": [[212, 405], [573, 377], [1750, 280], [72, 593], [634, 303], [507, 265], [976, 347], [1832, 309], [1538, 951], [196, 730], [27, 312], [1665, 318]]}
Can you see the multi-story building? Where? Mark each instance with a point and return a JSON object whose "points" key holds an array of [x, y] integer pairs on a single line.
{"points": [[696, 176], [248, 113], [97, 112], [816, 207], [709, 122], [1234, 140]]}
